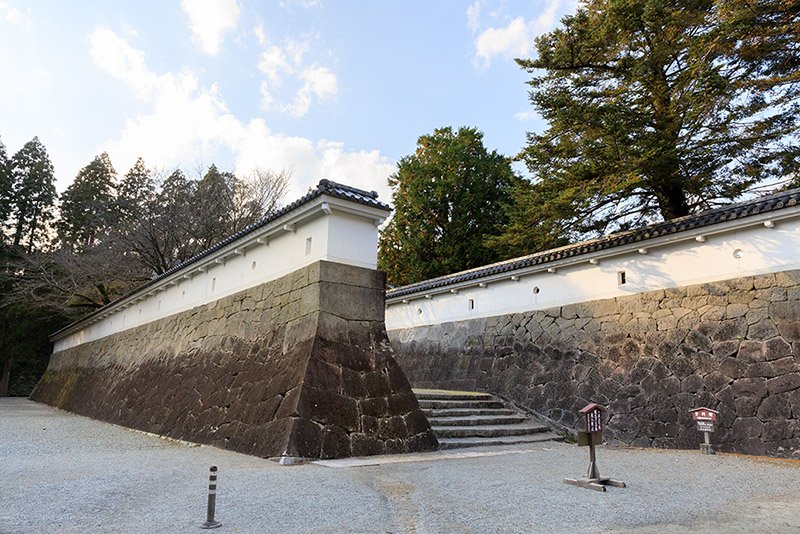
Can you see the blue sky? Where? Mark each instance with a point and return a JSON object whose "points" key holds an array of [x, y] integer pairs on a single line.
{"points": [[338, 90]]}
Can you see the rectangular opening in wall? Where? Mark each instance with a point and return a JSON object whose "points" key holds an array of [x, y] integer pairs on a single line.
{"points": [[213, 284], [621, 278], [308, 246], [471, 304]]}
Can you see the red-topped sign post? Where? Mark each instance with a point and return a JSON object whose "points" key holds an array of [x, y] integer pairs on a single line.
{"points": [[590, 432], [706, 420]]}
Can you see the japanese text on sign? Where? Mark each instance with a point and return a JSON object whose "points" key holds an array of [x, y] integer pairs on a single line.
{"points": [[594, 422]]}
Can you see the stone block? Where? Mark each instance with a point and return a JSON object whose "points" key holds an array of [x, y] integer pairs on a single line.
{"points": [[783, 383], [730, 329], [746, 406], [305, 440], [774, 407], [762, 330], [323, 375], [790, 331], [776, 348], [736, 310], [745, 428], [733, 368], [777, 430], [715, 381], [751, 351], [785, 312], [339, 273], [352, 302], [787, 278], [784, 366], [335, 443], [724, 349], [366, 444], [750, 387]]}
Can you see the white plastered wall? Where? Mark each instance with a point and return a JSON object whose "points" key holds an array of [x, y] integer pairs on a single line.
{"points": [[741, 251], [346, 236]]}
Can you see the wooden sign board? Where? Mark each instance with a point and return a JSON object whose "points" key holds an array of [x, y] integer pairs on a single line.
{"points": [[705, 426], [592, 417], [704, 414], [589, 438]]}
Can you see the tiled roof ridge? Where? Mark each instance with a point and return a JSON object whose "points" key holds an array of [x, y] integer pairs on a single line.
{"points": [[330, 184], [739, 210]]}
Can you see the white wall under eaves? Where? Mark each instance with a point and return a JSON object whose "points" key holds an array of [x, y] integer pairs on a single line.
{"points": [[755, 245], [329, 229]]}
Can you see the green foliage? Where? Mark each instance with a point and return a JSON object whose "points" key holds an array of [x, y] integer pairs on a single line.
{"points": [[34, 193], [88, 205], [448, 198], [655, 110], [213, 206], [5, 188], [136, 190], [110, 241], [25, 328]]}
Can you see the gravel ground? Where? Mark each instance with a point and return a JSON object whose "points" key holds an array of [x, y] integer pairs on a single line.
{"points": [[65, 473]]}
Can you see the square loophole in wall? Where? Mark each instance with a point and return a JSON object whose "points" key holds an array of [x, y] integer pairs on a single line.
{"points": [[622, 278]]}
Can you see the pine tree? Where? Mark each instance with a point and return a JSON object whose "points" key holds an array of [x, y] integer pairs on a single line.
{"points": [[656, 110], [6, 188], [136, 190], [34, 193], [448, 198], [88, 205], [213, 206]]}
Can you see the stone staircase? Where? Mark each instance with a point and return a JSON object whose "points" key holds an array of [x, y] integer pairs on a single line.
{"points": [[472, 419]]}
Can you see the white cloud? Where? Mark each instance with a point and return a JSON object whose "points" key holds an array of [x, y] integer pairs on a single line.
{"points": [[260, 35], [527, 115], [14, 15], [474, 16], [185, 123], [278, 63], [516, 39], [512, 41], [210, 20]]}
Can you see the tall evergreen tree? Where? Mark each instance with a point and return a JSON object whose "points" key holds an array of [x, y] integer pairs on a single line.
{"points": [[448, 198], [34, 193], [136, 190], [88, 205], [655, 110], [6, 188], [213, 206]]}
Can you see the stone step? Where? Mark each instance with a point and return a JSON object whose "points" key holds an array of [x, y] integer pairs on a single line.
{"points": [[442, 404], [463, 412], [438, 394], [477, 420], [488, 431], [457, 443]]}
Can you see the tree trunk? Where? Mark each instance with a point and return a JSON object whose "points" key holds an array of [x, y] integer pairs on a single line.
{"points": [[4, 378], [672, 202]]}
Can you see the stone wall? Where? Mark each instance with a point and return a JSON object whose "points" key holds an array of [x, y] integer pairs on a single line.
{"points": [[733, 346], [300, 366]]}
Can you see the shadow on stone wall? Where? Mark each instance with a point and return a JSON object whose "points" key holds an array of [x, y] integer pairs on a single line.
{"points": [[733, 346], [299, 367]]}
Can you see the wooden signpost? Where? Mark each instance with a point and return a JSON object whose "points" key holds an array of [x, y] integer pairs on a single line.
{"points": [[706, 420], [590, 434]]}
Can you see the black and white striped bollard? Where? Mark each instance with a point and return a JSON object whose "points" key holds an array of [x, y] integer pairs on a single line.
{"points": [[212, 500]]}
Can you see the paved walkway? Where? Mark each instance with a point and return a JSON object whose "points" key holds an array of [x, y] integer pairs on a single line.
{"points": [[64, 473]]}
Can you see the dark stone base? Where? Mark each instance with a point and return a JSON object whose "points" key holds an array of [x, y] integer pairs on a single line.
{"points": [[280, 370], [733, 346]]}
